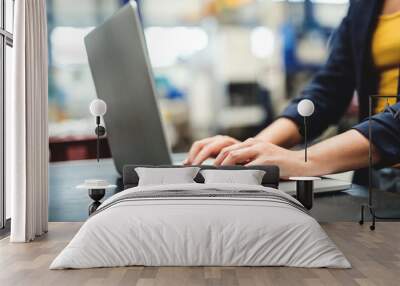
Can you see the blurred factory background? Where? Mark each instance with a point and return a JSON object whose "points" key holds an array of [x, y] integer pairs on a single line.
{"points": [[221, 66]]}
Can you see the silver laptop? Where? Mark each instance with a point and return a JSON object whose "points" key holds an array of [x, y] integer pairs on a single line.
{"points": [[326, 185], [123, 78]]}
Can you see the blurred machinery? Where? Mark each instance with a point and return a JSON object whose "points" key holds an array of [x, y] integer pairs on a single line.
{"points": [[299, 41], [221, 66]]}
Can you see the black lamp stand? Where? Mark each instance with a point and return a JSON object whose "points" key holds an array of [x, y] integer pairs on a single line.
{"points": [[100, 131], [305, 188], [97, 194]]}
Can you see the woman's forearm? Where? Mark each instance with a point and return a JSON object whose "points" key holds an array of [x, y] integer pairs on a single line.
{"points": [[282, 132], [344, 152]]}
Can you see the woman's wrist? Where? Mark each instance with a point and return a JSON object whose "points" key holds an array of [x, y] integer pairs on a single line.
{"points": [[310, 168], [343, 152], [282, 132]]}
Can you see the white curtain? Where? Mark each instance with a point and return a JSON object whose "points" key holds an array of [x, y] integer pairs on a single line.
{"points": [[26, 123]]}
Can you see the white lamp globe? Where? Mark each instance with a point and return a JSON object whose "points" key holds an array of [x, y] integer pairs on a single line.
{"points": [[305, 108], [98, 107]]}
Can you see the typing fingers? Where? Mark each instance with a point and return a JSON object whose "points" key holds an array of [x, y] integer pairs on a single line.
{"points": [[240, 156], [226, 151], [195, 149], [211, 149]]}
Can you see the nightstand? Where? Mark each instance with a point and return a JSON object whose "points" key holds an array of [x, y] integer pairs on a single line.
{"points": [[96, 191]]}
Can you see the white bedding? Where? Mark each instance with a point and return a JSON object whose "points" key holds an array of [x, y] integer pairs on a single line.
{"points": [[188, 231]]}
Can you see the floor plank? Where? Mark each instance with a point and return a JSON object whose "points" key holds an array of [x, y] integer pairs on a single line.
{"points": [[375, 256]]}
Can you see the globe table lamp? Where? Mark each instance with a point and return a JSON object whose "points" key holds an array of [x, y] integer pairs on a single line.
{"points": [[305, 185], [97, 187]]}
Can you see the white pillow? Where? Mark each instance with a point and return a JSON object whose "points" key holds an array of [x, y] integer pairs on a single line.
{"points": [[163, 176], [247, 177]]}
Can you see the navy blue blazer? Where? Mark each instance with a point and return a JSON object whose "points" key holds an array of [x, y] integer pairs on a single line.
{"points": [[350, 68]]}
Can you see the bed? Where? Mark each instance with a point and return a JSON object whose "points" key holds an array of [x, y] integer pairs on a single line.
{"points": [[201, 224]]}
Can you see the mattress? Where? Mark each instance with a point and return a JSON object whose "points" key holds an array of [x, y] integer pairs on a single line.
{"points": [[201, 225]]}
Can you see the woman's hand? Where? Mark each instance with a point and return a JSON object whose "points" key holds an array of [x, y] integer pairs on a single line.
{"points": [[344, 152], [257, 152], [209, 147]]}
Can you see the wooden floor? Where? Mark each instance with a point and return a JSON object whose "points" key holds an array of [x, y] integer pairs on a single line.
{"points": [[375, 257]]}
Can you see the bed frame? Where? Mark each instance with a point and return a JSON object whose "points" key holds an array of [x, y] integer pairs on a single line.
{"points": [[271, 178]]}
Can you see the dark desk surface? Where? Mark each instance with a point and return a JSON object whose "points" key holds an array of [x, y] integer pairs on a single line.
{"points": [[70, 204]]}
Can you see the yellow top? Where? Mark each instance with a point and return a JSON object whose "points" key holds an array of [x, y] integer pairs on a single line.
{"points": [[386, 56]]}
